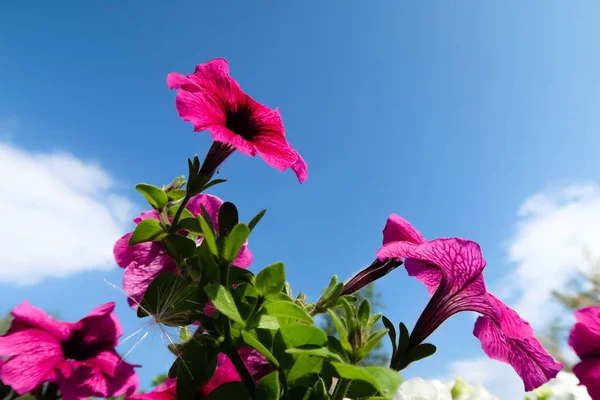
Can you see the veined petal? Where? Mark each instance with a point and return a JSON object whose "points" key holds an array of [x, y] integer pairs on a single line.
{"points": [[459, 260], [427, 274], [526, 356], [211, 203], [300, 169], [33, 355], [137, 278]]}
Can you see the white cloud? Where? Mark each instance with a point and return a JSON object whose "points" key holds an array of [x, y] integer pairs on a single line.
{"points": [[553, 231], [60, 216]]}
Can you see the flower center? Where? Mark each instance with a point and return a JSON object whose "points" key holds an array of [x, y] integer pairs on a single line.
{"points": [[75, 348], [241, 123]]}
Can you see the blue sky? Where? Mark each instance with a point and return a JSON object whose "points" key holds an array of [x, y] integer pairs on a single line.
{"points": [[450, 114]]}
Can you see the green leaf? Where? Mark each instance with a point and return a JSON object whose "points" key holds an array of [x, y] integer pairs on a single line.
{"points": [[196, 365], [321, 352], [184, 334], [269, 322], [223, 301], [175, 195], [155, 195], [230, 390], [364, 311], [184, 214], [403, 340], [388, 380], [319, 391], [239, 275], [190, 224], [208, 264], [256, 219], [268, 387], [209, 236], [342, 331], [228, 218], [258, 346], [270, 280], [372, 321], [172, 300], [213, 183], [371, 342], [147, 230], [421, 351], [178, 247], [287, 310], [235, 241], [354, 373]]}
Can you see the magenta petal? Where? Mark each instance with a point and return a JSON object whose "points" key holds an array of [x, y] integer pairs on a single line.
{"points": [[510, 322], [585, 335], [588, 373], [425, 273], [397, 229], [101, 326], [300, 169], [137, 278], [33, 356], [27, 316], [150, 214], [244, 259], [526, 356], [211, 203]]}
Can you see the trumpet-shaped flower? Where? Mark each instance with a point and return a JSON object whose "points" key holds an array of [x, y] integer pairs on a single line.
{"points": [[257, 365], [212, 100], [452, 271], [585, 341], [145, 261], [79, 357]]}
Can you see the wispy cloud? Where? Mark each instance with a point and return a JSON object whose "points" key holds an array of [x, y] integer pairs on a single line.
{"points": [[60, 215]]}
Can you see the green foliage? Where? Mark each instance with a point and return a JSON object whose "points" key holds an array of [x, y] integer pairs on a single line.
{"points": [[147, 230]]}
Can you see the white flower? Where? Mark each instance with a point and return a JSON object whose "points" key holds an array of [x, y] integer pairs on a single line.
{"points": [[477, 393], [565, 387], [420, 389]]}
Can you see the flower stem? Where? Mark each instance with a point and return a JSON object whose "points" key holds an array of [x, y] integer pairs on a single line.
{"points": [[242, 370], [341, 388], [178, 213]]}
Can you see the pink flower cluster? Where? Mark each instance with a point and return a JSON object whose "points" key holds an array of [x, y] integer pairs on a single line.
{"points": [[79, 357]]}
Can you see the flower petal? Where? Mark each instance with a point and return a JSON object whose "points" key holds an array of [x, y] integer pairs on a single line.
{"points": [[526, 356], [211, 203], [150, 214], [510, 322], [27, 316], [244, 259], [137, 277], [33, 355], [300, 169], [429, 275], [585, 335], [588, 373], [101, 326], [459, 260], [397, 229]]}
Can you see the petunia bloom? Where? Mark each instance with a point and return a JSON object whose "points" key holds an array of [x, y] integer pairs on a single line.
{"points": [[212, 100], [452, 271], [257, 365], [145, 261], [79, 357], [585, 341]]}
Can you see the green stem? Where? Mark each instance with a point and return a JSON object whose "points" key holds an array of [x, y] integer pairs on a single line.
{"points": [[242, 370], [178, 213], [341, 388]]}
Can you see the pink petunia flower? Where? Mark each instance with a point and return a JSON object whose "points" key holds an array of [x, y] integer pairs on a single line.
{"points": [[145, 261], [585, 341], [79, 357], [212, 100], [257, 365], [452, 271]]}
